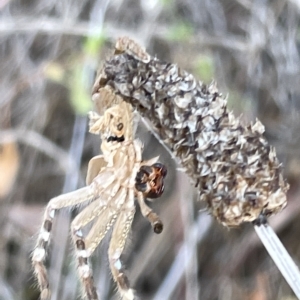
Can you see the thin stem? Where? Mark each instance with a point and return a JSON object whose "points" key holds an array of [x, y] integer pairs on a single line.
{"points": [[281, 257]]}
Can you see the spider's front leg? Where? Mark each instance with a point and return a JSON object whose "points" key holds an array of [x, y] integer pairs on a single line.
{"points": [[41, 248], [116, 247]]}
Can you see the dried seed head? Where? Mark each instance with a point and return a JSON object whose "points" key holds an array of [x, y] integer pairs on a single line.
{"points": [[236, 171], [124, 44]]}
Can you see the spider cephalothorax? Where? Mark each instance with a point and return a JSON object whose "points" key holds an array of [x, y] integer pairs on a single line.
{"points": [[114, 180]]}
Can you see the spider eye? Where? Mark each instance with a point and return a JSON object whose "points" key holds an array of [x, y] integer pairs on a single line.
{"points": [[160, 168], [120, 126], [141, 187], [147, 170]]}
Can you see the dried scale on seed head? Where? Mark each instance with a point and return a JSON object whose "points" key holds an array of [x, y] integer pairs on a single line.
{"points": [[235, 169]]}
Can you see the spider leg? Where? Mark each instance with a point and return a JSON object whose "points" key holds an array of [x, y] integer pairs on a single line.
{"points": [[85, 247], [117, 245], [148, 213], [40, 251]]}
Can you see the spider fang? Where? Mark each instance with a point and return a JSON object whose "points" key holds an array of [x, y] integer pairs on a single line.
{"points": [[120, 126]]}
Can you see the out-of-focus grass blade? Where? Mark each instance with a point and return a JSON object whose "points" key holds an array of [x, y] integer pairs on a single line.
{"points": [[183, 258], [282, 259]]}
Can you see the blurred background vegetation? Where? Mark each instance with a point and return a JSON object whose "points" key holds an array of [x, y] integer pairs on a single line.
{"points": [[49, 53]]}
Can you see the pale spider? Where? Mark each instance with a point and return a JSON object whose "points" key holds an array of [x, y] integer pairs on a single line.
{"points": [[114, 180]]}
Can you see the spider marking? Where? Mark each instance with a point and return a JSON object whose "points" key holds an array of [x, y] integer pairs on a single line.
{"points": [[114, 180]]}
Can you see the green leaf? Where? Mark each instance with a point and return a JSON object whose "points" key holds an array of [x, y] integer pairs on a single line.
{"points": [[166, 3], [80, 95], [204, 68], [93, 44], [180, 32]]}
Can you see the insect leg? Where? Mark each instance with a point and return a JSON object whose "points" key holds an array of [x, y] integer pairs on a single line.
{"points": [[148, 213]]}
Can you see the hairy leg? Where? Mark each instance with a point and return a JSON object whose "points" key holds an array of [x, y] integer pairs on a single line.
{"points": [[106, 217], [40, 251], [116, 247]]}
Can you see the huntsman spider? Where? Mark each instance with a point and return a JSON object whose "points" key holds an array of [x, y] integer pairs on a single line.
{"points": [[114, 180]]}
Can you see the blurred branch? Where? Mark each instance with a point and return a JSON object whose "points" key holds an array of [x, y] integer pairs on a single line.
{"points": [[296, 3], [148, 256], [190, 258], [63, 221], [55, 26], [26, 217], [6, 292], [176, 272], [42, 144]]}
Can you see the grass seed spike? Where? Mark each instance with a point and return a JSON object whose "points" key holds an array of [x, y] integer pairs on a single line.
{"points": [[114, 180], [233, 166]]}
